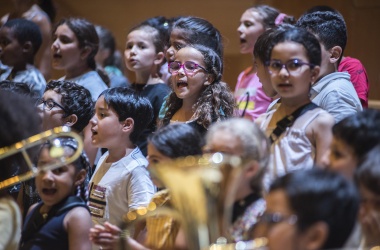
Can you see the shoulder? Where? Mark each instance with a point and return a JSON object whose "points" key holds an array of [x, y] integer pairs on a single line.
{"points": [[77, 217], [323, 121]]}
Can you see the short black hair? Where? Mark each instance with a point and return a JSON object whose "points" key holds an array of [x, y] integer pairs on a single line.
{"points": [[329, 27], [368, 172], [177, 140], [361, 131], [300, 36], [318, 195], [75, 99], [25, 31], [17, 87], [128, 104], [19, 120]]}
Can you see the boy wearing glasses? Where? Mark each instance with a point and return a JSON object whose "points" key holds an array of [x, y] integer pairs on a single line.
{"points": [[63, 103], [20, 40], [333, 90]]}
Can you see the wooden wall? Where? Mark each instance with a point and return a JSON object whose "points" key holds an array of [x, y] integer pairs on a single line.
{"points": [[362, 17]]}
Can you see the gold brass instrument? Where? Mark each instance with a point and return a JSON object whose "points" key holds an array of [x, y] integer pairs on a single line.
{"points": [[56, 151], [202, 193]]}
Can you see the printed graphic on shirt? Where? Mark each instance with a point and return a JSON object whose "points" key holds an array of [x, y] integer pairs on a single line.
{"points": [[97, 200]]}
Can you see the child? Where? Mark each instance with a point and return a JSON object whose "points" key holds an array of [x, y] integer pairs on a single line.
{"points": [[18, 121], [243, 138], [63, 103], [144, 55], [20, 40], [75, 44], [166, 144], [62, 220], [367, 179], [353, 138], [249, 94], [109, 58], [332, 90], [120, 182], [300, 132], [311, 209], [198, 98]]}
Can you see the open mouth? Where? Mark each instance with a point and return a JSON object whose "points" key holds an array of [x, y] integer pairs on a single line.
{"points": [[49, 191], [57, 56], [182, 84], [242, 40]]}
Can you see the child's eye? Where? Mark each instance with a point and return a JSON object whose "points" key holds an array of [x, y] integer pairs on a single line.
{"points": [[248, 24], [178, 46], [142, 46], [129, 46], [59, 170], [294, 65], [276, 65]]}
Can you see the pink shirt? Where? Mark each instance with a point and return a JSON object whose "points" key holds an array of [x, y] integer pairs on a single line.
{"points": [[359, 77], [249, 95]]}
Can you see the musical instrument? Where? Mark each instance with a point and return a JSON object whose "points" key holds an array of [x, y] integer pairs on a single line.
{"points": [[56, 151], [202, 193]]}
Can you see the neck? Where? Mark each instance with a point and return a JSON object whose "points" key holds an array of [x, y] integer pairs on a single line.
{"points": [[115, 154], [145, 77], [289, 106], [77, 71]]}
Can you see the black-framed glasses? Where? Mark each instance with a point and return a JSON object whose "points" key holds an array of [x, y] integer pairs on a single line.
{"points": [[274, 218], [292, 66], [189, 67], [49, 104]]}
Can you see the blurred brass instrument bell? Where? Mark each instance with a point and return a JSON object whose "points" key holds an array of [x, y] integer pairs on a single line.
{"points": [[56, 151], [202, 193]]}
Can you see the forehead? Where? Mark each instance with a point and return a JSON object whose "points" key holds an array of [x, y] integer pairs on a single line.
{"points": [[64, 29], [252, 15], [51, 94], [178, 34], [289, 49], [277, 202], [6, 32], [143, 34], [189, 54]]}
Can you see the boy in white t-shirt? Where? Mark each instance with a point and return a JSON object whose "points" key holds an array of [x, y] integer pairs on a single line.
{"points": [[120, 182]]}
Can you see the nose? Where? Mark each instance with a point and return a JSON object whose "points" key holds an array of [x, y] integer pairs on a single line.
{"points": [[93, 121], [47, 176], [240, 29], [170, 54], [54, 45]]}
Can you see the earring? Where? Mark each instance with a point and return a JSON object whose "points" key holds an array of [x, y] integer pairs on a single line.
{"points": [[79, 192]]}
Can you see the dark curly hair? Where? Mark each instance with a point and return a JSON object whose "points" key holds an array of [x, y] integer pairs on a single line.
{"points": [[215, 103], [76, 100]]}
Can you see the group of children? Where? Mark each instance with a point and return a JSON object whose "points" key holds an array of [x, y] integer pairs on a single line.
{"points": [[300, 113]]}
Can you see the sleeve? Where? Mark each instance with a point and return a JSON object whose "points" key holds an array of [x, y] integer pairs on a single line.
{"points": [[140, 188], [339, 104]]}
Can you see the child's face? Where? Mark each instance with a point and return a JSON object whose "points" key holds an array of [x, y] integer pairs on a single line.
{"points": [[369, 214], [11, 52], [65, 49], [282, 233], [190, 86], [296, 84], [155, 157], [53, 186], [177, 41], [264, 77], [105, 126], [250, 28], [140, 52], [342, 158], [51, 118]]}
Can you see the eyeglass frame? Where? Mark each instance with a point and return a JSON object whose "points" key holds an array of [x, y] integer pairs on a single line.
{"points": [[181, 65], [284, 65], [275, 218], [46, 107]]}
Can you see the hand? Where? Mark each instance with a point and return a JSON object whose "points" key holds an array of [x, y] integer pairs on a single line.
{"points": [[106, 236], [370, 223]]}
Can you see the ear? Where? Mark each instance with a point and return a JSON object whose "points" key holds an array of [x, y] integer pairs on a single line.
{"points": [[128, 125], [209, 80], [251, 169], [314, 74], [70, 120], [335, 53], [85, 52], [315, 236], [80, 177], [159, 58], [27, 47]]}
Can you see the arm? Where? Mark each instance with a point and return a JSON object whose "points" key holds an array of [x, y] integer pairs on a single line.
{"points": [[77, 224], [320, 134]]}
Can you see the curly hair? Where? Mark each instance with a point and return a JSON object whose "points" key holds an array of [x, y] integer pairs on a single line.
{"points": [[76, 100], [215, 103]]}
